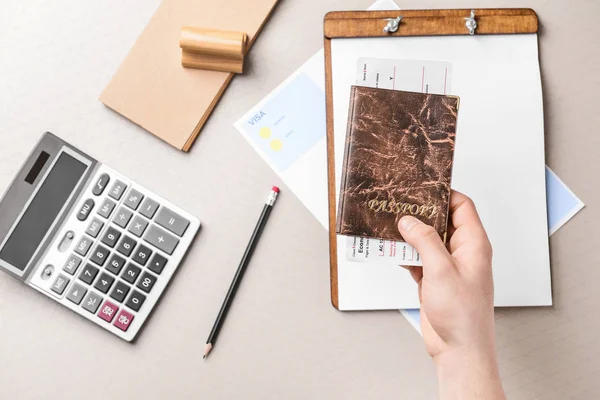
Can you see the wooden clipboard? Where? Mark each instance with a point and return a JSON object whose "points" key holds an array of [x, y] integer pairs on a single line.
{"points": [[372, 24]]}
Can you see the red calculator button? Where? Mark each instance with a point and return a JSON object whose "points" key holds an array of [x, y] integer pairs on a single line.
{"points": [[107, 311], [123, 320]]}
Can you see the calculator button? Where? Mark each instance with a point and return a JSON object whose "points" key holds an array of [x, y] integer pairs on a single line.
{"points": [[88, 273], [111, 236], [92, 302], [120, 291], [133, 199], [107, 311], [104, 282], [136, 300], [126, 246], [101, 184], [117, 190], [157, 264], [95, 227], [138, 226], [72, 264], [142, 255], [107, 208], [131, 273], [122, 217], [60, 284], [146, 282], [84, 246], [99, 255], [149, 208], [172, 221], [123, 320], [76, 293], [161, 239], [115, 264], [85, 210]]}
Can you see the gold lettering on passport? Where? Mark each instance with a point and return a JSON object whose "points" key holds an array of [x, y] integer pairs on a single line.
{"points": [[393, 207]]}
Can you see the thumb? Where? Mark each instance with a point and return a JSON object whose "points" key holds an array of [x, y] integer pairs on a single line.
{"points": [[428, 243]]}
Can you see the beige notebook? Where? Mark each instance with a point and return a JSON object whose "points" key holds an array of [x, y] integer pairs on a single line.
{"points": [[152, 89]]}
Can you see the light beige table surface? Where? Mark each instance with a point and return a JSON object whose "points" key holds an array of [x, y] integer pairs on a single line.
{"points": [[283, 339]]}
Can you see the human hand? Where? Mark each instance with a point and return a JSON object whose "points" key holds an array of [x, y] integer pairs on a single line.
{"points": [[456, 292]]}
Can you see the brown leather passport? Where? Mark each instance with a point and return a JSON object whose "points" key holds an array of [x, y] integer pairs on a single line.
{"points": [[397, 161]]}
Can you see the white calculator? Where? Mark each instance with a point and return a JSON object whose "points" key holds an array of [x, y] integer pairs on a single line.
{"points": [[89, 238]]}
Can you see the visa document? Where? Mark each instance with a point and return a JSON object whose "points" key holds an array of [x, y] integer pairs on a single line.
{"points": [[412, 76], [285, 129]]}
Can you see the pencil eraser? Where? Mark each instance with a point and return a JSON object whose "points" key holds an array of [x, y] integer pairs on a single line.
{"points": [[275, 189]]}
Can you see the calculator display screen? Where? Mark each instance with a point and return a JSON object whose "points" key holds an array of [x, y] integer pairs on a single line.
{"points": [[42, 211]]}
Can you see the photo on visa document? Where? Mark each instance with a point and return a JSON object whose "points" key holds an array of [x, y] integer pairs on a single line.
{"points": [[407, 75]]}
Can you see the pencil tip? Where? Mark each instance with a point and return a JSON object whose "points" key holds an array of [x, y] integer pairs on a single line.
{"points": [[207, 350]]}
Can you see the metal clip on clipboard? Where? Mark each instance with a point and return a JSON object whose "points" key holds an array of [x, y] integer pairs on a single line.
{"points": [[471, 23]]}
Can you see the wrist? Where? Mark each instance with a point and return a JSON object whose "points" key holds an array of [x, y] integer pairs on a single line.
{"points": [[469, 373]]}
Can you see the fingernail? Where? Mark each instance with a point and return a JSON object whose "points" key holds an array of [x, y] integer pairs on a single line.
{"points": [[408, 222]]}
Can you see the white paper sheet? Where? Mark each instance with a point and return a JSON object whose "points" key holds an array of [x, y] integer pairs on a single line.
{"points": [[499, 159]]}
